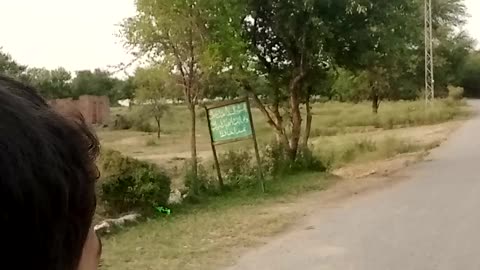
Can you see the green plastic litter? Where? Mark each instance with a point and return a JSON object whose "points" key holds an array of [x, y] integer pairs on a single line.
{"points": [[163, 210]]}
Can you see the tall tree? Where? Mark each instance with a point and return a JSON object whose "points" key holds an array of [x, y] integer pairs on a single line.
{"points": [[377, 39], [153, 88], [176, 33], [286, 40], [124, 89], [471, 75]]}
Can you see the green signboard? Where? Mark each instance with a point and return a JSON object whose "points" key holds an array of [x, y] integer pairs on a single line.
{"points": [[230, 122]]}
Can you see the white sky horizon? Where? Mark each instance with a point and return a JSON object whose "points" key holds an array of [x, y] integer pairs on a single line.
{"points": [[80, 35]]}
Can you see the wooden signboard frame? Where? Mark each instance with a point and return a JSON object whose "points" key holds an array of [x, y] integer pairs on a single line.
{"points": [[253, 137]]}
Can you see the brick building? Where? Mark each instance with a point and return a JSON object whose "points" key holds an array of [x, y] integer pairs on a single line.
{"points": [[95, 109]]}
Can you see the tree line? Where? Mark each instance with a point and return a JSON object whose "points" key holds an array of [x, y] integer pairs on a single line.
{"points": [[285, 54], [59, 83]]}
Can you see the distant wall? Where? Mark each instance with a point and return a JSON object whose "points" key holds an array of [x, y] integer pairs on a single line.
{"points": [[95, 109]]}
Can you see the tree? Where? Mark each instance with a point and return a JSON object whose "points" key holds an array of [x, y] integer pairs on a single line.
{"points": [[449, 53], [153, 87], [98, 82], [378, 40], [221, 85], [384, 43], [124, 89], [51, 83], [452, 53], [319, 82], [286, 40], [10, 67], [175, 33], [470, 79]]}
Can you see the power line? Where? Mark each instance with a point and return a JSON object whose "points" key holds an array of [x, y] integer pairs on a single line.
{"points": [[429, 76]]}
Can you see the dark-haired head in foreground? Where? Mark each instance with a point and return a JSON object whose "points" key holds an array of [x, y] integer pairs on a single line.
{"points": [[47, 179]]}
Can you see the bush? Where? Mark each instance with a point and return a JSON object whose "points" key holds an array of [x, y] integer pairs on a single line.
{"points": [[351, 150], [277, 162], [238, 168], [122, 123], [392, 146], [207, 183], [136, 119], [144, 125], [128, 184], [307, 161], [455, 93]]}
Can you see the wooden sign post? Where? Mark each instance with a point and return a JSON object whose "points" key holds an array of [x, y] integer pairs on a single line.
{"points": [[230, 122]]}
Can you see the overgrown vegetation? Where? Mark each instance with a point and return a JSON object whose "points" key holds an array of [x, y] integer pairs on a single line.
{"points": [[240, 171], [205, 233], [362, 150], [128, 184], [336, 118], [204, 236], [289, 58], [241, 214]]}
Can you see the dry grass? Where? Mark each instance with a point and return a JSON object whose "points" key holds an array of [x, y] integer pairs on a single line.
{"points": [[330, 119], [210, 235]]}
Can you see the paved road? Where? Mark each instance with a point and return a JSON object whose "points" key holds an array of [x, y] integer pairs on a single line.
{"points": [[429, 222]]}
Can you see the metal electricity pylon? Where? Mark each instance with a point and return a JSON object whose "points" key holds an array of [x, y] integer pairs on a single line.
{"points": [[429, 79]]}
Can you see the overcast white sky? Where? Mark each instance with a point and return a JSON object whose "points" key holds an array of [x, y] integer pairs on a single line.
{"points": [[80, 34]]}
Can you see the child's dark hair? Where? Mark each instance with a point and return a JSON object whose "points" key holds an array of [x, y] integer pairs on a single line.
{"points": [[47, 182]]}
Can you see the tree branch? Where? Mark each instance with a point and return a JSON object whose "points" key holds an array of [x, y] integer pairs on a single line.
{"points": [[261, 106]]}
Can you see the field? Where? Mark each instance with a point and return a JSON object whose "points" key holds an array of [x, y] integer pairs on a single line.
{"points": [[348, 137], [337, 129]]}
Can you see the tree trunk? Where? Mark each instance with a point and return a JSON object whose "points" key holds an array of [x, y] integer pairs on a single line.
{"points": [[375, 102], [157, 119], [276, 122], [193, 147], [296, 121], [308, 124]]}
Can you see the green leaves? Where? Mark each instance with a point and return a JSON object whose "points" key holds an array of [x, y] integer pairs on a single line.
{"points": [[51, 83], [10, 67]]}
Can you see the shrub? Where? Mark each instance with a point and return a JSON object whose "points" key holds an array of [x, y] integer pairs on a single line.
{"points": [[122, 123], [346, 152], [144, 125], [392, 146], [238, 168], [128, 184], [277, 162], [207, 183], [455, 93], [307, 161], [136, 119]]}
